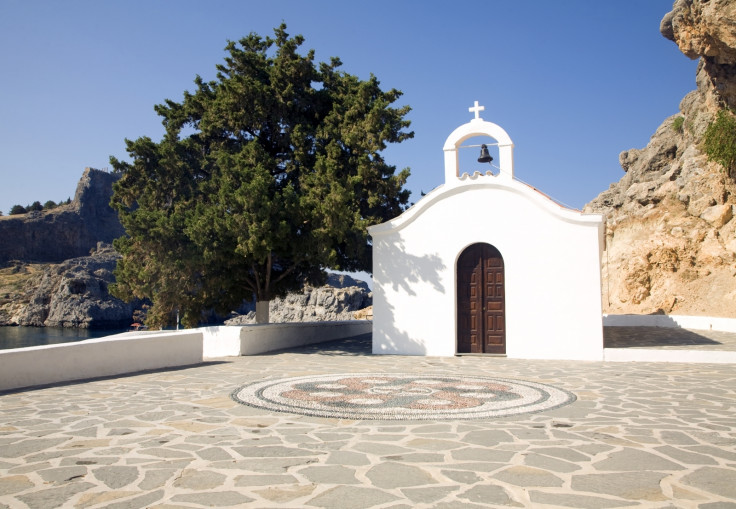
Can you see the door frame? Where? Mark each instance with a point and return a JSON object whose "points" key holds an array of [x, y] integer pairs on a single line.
{"points": [[483, 316]]}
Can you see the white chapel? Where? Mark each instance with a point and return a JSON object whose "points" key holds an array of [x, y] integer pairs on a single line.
{"points": [[486, 264]]}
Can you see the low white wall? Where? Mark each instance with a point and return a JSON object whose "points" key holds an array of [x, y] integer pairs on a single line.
{"points": [[221, 341], [92, 358], [685, 322], [662, 355], [255, 339], [132, 352], [268, 338]]}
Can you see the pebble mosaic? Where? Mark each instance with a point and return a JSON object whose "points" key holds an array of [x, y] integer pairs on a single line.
{"points": [[397, 396]]}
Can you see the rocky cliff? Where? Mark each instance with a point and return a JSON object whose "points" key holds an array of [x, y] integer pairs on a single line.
{"points": [[66, 232], [671, 232], [73, 293]]}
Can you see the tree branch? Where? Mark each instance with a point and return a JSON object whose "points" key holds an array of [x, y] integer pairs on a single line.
{"points": [[250, 284], [285, 273]]}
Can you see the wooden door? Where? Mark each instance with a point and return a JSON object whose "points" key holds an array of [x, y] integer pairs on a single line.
{"points": [[481, 325]]}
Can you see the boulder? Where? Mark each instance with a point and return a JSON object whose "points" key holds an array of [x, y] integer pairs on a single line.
{"points": [[718, 215]]}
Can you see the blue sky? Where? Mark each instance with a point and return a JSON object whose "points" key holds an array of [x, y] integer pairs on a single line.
{"points": [[573, 82]]}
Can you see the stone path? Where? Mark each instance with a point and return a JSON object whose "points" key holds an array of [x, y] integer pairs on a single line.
{"points": [[638, 435]]}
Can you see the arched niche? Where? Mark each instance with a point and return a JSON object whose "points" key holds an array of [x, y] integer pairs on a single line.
{"points": [[478, 127]]}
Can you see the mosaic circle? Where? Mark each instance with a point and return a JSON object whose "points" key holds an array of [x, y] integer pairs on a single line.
{"points": [[402, 397]]}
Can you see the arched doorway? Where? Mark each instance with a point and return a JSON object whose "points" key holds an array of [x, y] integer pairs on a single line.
{"points": [[481, 307]]}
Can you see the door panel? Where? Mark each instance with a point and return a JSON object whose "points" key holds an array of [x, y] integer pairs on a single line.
{"points": [[481, 301]]}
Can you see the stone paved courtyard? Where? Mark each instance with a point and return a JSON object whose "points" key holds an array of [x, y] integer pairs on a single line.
{"points": [[638, 435]]}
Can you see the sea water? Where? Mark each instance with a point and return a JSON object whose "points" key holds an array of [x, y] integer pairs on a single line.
{"points": [[19, 337]]}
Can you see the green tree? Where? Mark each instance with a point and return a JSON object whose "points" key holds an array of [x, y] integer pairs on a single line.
{"points": [[719, 140], [50, 204], [265, 176], [35, 207], [17, 209]]}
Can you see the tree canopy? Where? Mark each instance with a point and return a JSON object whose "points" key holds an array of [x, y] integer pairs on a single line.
{"points": [[265, 177]]}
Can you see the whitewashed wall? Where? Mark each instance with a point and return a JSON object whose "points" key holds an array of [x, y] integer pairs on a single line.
{"points": [[682, 321], [552, 270], [92, 358], [151, 350], [222, 341]]}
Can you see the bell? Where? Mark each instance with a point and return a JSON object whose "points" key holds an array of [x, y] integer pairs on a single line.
{"points": [[485, 157]]}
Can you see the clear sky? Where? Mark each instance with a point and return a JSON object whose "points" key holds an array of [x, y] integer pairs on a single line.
{"points": [[573, 82]]}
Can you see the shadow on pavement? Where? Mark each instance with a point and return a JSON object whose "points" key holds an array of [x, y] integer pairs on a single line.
{"points": [[354, 346], [630, 337]]}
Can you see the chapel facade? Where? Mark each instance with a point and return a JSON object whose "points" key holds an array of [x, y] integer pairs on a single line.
{"points": [[486, 264]]}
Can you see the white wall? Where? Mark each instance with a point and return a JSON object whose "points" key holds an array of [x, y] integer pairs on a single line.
{"points": [[687, 355], [221, 341], [662, 355], [112, 355], [140, 351], [552, 269], [254, 339], [685, 322]]}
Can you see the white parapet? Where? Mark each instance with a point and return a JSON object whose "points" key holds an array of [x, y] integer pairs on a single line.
{"points": [[684, 354], [685, 322], [133, 352], [223, 341], [94, 358], [662, 355]]}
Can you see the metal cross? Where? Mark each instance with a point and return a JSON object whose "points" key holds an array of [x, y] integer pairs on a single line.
{"points": [[476, 109]]}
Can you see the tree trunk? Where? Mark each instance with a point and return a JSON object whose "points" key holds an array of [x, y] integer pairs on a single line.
{"points": [[262, 311]]}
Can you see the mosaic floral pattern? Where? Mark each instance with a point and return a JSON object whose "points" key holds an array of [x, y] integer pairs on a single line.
{"points": [[397, 396]]}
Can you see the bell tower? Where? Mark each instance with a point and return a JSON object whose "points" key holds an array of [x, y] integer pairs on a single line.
{"points": [[478, 127]]}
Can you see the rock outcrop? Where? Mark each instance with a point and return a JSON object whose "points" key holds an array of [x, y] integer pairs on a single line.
{"points": [[671, 232], [337, 300], [73, 293], [65, 232]]}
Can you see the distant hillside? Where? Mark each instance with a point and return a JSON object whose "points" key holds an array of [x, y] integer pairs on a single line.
{"points": [[68, 231], [671, 231]]}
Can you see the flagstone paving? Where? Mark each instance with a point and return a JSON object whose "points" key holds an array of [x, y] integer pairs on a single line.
{"points": [[638, 435]]}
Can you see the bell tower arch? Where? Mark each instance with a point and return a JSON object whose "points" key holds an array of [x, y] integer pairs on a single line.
{"points": [[478, 127]]}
